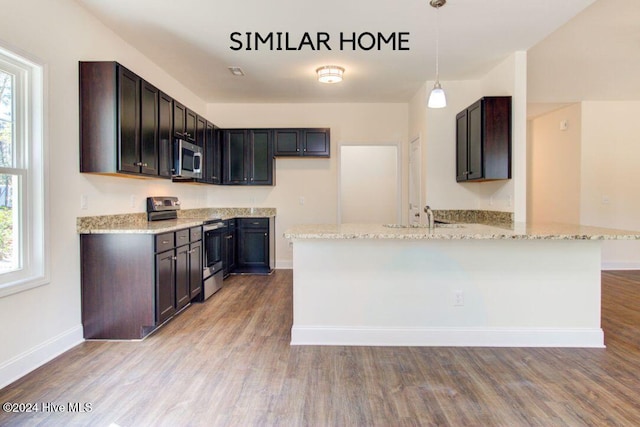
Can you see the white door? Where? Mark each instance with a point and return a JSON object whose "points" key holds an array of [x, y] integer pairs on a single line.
{"points": [[415, 163], [369, 184]]}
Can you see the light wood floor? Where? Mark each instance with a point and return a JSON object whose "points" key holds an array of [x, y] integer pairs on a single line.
{"points": [[228, 362]]}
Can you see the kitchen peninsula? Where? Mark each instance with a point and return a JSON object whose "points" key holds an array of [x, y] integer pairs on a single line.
{"points": [[521, 285]]}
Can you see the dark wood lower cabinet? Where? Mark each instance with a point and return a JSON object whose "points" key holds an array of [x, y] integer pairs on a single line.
{"points": [[132, 283], [255, 251]]}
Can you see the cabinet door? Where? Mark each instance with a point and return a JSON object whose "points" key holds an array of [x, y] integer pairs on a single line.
{"points": [[229, 255], [475, 132], [253, 247], [286, 142], [261, 157], [149, 129], [129, 137], [316, 142], [179, 119], [235, 156], [165, 135], [190, 125], [165, 286], [195, 269], [201, 127], [182, 276], [212, 156], [462, 144]]}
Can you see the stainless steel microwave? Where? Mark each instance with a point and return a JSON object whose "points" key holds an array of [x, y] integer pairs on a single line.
{"points": [[187, 160]]}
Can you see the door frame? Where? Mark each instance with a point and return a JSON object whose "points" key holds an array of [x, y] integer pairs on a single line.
{"points": [[415, 140]]}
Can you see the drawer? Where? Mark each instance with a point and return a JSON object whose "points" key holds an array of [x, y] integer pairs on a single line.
{"points": [[164, 242], [253, 222], [182, 237], [195, 234]]}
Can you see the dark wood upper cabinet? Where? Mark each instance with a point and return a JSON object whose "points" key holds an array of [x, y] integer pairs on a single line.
{"points": [[179, 119], [184, 122], [483, 140], [201, 127], [212, 173], [149, 115], [313, 142], [119, 121], [260, 162], [165, 135], [247, 157]]}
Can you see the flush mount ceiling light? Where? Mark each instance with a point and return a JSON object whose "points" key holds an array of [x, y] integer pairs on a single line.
{"points": [[330, 74], [236, 71], [437, 98]]}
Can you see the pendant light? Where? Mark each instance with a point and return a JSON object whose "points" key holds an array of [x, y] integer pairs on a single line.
{"points": [[437, 98]]}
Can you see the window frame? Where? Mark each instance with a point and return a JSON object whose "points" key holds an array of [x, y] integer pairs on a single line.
{"points": [[30, 165]]}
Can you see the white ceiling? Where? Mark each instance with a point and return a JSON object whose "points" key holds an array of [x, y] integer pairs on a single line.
{"points": [[190, 39]]}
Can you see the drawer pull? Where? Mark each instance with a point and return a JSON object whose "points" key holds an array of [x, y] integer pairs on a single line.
{"points": [[164, 242]]}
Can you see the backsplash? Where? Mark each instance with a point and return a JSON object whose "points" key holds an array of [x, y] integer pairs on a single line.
{"points": [[497, 218]]}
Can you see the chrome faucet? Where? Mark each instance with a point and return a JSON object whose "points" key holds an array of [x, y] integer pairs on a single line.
{"points": [[430, 218]]}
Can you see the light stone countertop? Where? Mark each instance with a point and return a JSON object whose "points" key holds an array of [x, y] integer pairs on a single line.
{"points": [[136, 223], [518, 231]]}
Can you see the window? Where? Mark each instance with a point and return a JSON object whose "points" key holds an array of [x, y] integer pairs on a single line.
{"points": [[22, 195]]}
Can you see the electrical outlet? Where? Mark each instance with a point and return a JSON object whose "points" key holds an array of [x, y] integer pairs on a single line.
{"points": [[84, 202], [133, 201], [301, 201], [458, 298]]}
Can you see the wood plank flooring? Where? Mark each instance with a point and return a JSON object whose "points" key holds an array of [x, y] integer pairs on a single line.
{"points": [[228, 362]]}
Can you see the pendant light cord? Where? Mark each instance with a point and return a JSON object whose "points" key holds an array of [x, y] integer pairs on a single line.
{"points": [[437, 44]]}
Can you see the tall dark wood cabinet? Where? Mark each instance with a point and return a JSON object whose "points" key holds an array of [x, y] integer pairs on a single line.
{"points": [[149, 122], [120, 122], [483, 140], [212, 173], [165, 135], [247, 157]]}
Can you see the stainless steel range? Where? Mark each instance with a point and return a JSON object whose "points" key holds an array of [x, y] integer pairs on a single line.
{"points": [[212, 235]]}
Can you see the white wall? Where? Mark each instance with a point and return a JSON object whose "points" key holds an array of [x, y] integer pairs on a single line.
{"points": [[40, 323], [438, 125], [586, 174], [314, 179], [554, 167], [610, 187]]}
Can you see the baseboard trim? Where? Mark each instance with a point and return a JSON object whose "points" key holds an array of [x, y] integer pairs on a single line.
{"points": [[23, 363], [284, 264], [449, 337], [620, 265]]}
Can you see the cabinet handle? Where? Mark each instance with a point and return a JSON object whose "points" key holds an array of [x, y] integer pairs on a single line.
{"points": [[175, 258], [164, 242], [297, 149], [229, 237], [255, 223], [183, 237], [265, 234], [145, 165]]}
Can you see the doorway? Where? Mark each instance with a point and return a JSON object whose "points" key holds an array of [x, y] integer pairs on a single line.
{"points": [[415, 165], [369, 184]]}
